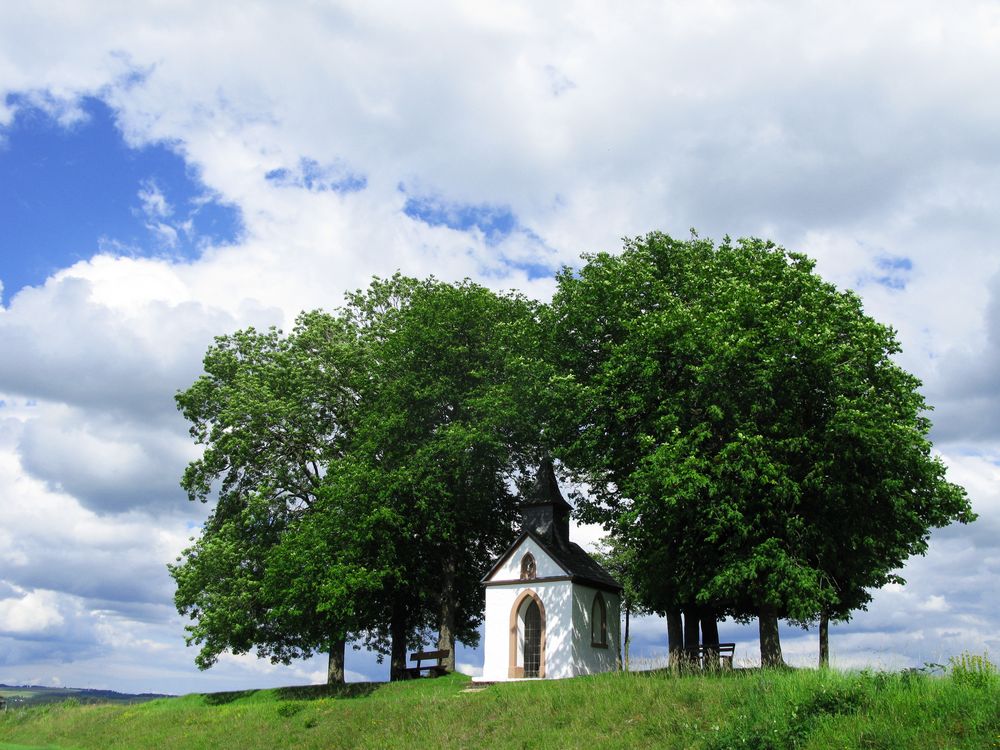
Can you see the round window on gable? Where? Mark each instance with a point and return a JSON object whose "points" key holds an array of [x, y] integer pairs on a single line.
{"points": [[527, 567]]}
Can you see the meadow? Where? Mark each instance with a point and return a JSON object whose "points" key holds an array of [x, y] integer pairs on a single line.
{"points": [[34, 695], [756, 709]]}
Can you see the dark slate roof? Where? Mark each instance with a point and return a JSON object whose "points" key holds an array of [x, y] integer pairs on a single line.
{"points": [[545, 489], [571, 557], [580, 565]]}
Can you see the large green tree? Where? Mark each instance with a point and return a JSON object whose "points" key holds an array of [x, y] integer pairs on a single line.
{"points": [[745, 430], [447, 421], [273, 414], [361, 469]]}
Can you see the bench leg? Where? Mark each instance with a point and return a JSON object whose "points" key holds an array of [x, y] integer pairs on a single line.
{"points": [[727, 662]]}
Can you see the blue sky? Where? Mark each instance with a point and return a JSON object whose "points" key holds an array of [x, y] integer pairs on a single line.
{"points": [[68, 190], [495, 223], [163, 184]]}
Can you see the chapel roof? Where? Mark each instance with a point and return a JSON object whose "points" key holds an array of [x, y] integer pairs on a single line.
{"points": [[544, 490], [545, 518], [579, 566]]}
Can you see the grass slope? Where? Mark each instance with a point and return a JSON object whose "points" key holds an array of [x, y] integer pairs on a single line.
{"points": [[33, 695], [758, 710]]}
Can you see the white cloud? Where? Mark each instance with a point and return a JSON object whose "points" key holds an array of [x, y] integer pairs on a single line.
{"points": [[472, 670], [165, 233], [108, 465], [31, 614], [935, 603], [9, 553], [118, 559], [154, 202]]}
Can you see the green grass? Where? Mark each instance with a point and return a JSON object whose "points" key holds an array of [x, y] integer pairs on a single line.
{"points": [[23, 697], [746, 709]]}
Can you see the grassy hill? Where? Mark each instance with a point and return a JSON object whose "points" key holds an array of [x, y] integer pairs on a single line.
{"points": [[745, 709]]}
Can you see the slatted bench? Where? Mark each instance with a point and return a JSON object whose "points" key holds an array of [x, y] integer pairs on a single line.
{"points": [[435, 669], [726, 652]]}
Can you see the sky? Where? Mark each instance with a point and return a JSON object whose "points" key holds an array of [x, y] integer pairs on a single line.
{"points": [[170, 172]]}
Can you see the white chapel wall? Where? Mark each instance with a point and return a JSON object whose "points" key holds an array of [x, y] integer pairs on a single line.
{"points": [[545, 566], [556, 597], [586, 658]]}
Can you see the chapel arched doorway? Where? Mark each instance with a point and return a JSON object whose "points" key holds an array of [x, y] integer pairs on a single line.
{"points": [[527, 636]]}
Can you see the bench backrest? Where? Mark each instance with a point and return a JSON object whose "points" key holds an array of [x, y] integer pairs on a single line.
{"points": [[421, 655], [722, 647]]}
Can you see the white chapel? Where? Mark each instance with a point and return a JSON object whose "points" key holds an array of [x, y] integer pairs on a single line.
{"points": [[551, 610]]}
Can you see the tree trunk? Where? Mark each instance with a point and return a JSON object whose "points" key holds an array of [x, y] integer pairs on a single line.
{"points": [[824, 639], [624, 663], [691, 621], [446, 615], [710, 638], [675, 640], [335, 666], [770, 642], [398, 632]]}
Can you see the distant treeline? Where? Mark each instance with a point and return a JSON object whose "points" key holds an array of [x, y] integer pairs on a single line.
{"points": [[34, 695]]}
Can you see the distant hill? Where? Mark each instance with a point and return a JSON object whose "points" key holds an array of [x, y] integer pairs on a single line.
{"points": [[34, 695]]}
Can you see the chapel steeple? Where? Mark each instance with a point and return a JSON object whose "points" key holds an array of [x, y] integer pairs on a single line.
{"points": [[545, 511]]}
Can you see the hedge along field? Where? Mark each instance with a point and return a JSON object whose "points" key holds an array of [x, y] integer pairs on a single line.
{"points": [[762, 710]]}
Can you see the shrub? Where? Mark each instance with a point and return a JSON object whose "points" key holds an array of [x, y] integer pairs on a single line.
{"points": [[972, 669], [845, 699], [288, 708]]}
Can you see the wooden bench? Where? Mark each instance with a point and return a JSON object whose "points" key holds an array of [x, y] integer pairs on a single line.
{"points": [[434, 669], [726, 652]]}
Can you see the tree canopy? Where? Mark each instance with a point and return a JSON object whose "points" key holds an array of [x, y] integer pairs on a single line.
{"points": [[744, 429], [273, 413]]}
